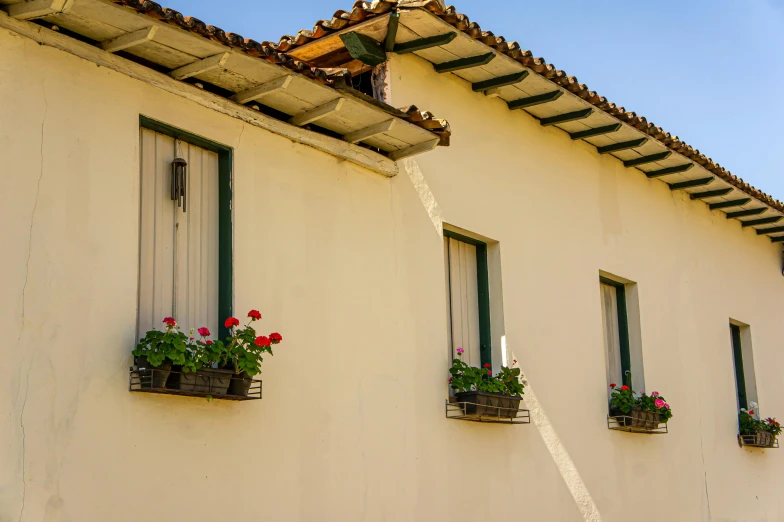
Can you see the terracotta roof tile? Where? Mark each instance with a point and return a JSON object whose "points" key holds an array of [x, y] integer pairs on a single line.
{"points": [[364, 10]]}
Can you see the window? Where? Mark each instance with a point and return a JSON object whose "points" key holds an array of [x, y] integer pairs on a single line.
{"points": [[468, 298], [745, 382], [185, 244], [620, 330]]}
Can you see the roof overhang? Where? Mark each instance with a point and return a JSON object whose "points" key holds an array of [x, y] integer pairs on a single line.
{"points": [[241, 70], [500, 69]]}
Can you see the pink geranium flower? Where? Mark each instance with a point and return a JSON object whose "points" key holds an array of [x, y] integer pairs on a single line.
{"points": [[655, 394], [460, 351], [659, 403]]}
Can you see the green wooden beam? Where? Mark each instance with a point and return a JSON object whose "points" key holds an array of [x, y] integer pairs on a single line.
{"points": [[535, 100], [763, 221], [598, 131], [394, 23], [711, 193], [729, 204], [424, 43], [745, 213], [464, 63], [777, 239], [501, 81], [691, 183], [363, 48], [569, 116], [647, 159], [626, 145], [772, 230], [669, 170]]}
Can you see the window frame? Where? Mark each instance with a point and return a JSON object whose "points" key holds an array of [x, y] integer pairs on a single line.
{"points": [[623, 326], [483, 293], [741, 390], [225, 226]]}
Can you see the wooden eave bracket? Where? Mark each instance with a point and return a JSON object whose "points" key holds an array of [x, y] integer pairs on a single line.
{"points": [[318, 113], [363, 48], [371, 131], [33, 9], [258, 92], [414, 150], [202, 66], [129, 40]]}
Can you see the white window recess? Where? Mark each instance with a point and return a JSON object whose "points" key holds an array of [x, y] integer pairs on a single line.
{"points": [[462, 299], [178, 250]]}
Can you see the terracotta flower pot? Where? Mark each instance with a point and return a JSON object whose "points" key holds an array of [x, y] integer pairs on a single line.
{"points": [[489, 404]]}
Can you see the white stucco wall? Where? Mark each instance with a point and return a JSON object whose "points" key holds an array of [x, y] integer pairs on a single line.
{"points": [[348, 266]]}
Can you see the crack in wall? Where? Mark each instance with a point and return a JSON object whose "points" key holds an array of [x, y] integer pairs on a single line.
{"points": [[24, 306]]}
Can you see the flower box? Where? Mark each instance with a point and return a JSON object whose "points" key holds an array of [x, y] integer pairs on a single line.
{"points": [[637, 418], [489, 404], [209, 381]]}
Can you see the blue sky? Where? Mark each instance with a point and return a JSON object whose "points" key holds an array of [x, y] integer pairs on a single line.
{"points": [[709, 71]]}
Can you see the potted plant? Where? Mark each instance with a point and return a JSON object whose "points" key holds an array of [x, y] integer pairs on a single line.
{"points": [[243, 352], [481, 393], [203, 370], [157, 351], [755, 432], [639, 411]]}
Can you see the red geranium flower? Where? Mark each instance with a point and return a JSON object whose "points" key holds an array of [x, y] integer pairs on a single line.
{"points": [[255, 315], [204, 331], [262, 341], [490, 373], [450, 379], [613, 385], [231, 321], [170, 321], [209, 343], [487, 365], [751, 412], [625, 388], [276, 338]]}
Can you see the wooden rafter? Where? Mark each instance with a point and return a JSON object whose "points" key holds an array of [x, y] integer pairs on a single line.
{"points": [[534, 100], [563, 118], [317, 113], [626, 145], [194, 69], [647, 159], [464, 63], [255, 93], [669, 170], [424, 43], [730, 204], [129, 40], [746, 213], [763, 221], [597, 131], [711, 193], [501, 81], [692, 183]]}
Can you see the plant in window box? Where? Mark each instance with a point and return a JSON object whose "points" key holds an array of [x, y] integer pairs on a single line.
{"points": [[639, 411], [204, 369], [158, 350], [755, 432], [242, 352], [481, 393]]}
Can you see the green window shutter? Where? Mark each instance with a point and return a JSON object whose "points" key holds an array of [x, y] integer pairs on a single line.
{"points": [[623, 327], [740, 377], [483, 295]]}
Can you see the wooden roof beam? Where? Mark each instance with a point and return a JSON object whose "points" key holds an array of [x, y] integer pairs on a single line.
{"points": [[772, 230], [131, 39], [414, 150], [711, 193], [692, 183], [534, 100], [369, 132], [318, 113], [598, 131], [394, 23], [500, 81], [563, 118], [763, 221], [258, 92], [730, 204], [363, 48], [201, 66], [777, 239], [745, 213], [33, 9], [669, 170], [424, 43], [464, 63], [626, 145], [647, 159]]}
